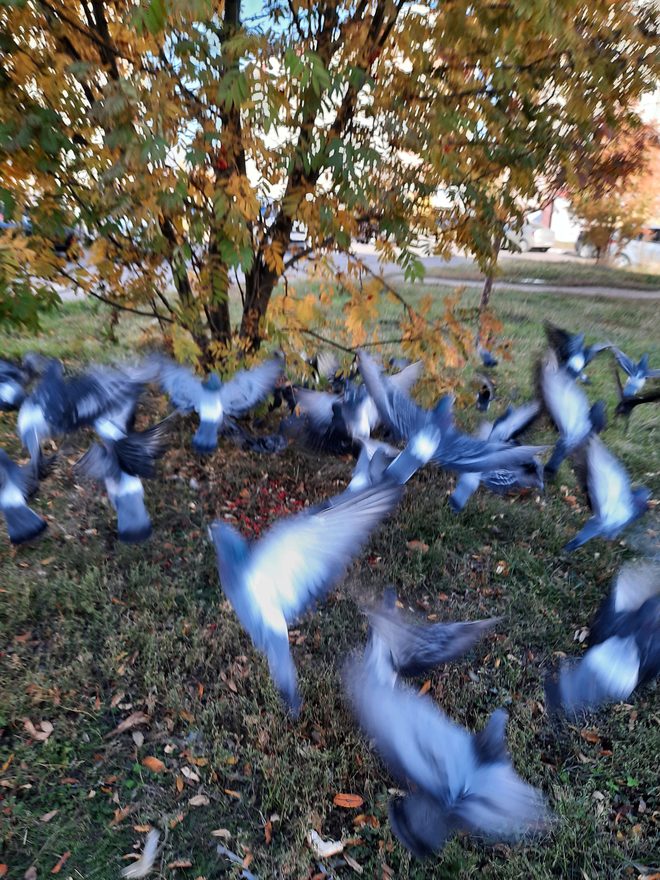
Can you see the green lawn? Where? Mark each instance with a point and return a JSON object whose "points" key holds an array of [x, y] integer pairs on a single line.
{"points": [[92, 631], [561, 274]]}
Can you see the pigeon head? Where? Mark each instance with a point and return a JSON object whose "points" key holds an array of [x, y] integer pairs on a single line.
{"points": [[213, 383]]}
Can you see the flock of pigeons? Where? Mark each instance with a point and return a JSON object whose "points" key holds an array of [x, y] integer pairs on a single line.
{"points": [[453, 780]]}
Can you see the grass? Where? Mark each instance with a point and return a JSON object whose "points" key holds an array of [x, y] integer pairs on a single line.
{"points": [[562, 274], [93, 631]]}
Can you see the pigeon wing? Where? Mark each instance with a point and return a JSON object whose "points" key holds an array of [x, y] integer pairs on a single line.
{"points": [[181, 385], [608, 483], [247, 388], [514, 421], [623, 361], [301, 558]]}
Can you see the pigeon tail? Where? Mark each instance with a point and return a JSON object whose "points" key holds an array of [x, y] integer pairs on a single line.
{"points": [[559, 453], [591, 529], [138, 451], [205, 440], [23, 524], [466, 486], [419, 823]]}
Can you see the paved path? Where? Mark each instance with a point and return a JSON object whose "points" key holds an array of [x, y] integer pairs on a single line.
{"points": [[566, 289]]}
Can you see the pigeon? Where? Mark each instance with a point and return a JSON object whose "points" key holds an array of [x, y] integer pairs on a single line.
{"points": [[487, 359], [569, 409], [17, 483], [336, 421], [212, 399], [626, 405], [613, 502], [456, 781], [523, 475], [637, 373], [416, 646], [120, 465], [571, 350], [485, 394], [455, 451], [624, 645], [273, 581], [13, 380], [62, 404]]}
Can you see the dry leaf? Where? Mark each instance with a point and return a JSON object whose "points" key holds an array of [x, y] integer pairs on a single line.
{"points": [[154, 764], [347, 801], [146, 861], [30, 874], [118, 697], [353, 864], [121, 814], [221, 832], [133, 720], [190, 774], [40, 735], [425, 688], [138, 738], [176, 820], [48, 816], [418, 545], [590, 736], [199, 800], [47, 561], [180, 863], [232, 793], [5, 766], [268, 832], [179, 784], [61, 863], [3, 869], [323, 849], [142, 829]]}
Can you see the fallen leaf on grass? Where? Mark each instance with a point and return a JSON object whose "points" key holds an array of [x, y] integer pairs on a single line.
{"points": [[30, 874], [48, 816], [133, 720], [154, 764], [199, 800], [425, 688], [176, 820], [180, 863], [221, 832], [40, 735], [323, 849], [347, 801], [142, 829], [146, 861], [362, 820], [418, 545], [61, 863], [233, 794], [121, 814], [179, 784], [353, 864], [138, 738], [190, 774], [5, 766], [590, 736], [268, 832], [3, 869]]}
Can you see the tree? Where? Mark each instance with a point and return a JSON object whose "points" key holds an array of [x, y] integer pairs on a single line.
{"points": [[620, 190], [189, 140]]}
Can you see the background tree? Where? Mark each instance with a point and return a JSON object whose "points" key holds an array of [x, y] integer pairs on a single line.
{"points": [[189, 140], [619, 191]]}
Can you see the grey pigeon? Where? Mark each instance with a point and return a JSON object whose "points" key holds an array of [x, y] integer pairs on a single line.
{"points": [[487, 359], [120, 465], [62, 404], [569, 409], [485, 394], [624, 645], [637, 373], [212, 399], [17, 483], [416, 646], [13, 381], [626, 405], [273, 581], [523, 475], [613, 502], [456, 781], [455, 451], [571, 350]]}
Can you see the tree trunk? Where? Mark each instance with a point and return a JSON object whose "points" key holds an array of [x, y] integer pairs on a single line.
{"points": [[259, 286], [485, 293]]}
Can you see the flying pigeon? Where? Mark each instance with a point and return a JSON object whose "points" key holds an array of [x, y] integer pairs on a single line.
{"points": [[485, 394], [273, 581], [212, 399], [624, 645], [416, 646], [571, 350], [613, 502], [12, 385], [569, 409], [336, 421], [120, 464], [456, 781], [527, 474], [637, 373], [62, 404], [487, 359], [456, 451], [17, 483], [626, 405]]}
